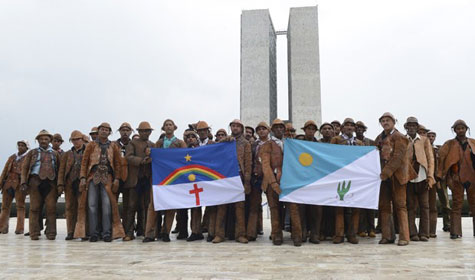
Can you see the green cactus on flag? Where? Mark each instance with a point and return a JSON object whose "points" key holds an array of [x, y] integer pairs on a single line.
{"points": [[343, 190]]}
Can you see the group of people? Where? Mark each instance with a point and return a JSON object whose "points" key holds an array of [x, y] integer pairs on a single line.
{"points": [[96, 171]]}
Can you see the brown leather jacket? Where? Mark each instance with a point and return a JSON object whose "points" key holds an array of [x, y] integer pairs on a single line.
{"points": [[123, 161], [135, 153], [6, 171], [449, 155], [92, 155], [175, 144], [30, 160], [424, 154], [394, 157], [342, 141], [67, 161], [271, 158], [244, 155]]}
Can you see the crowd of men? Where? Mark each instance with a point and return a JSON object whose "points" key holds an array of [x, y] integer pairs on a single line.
{"points": [[96, 171]]}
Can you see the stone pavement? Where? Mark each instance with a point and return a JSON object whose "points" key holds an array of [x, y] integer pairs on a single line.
{"points": [[441, 258]]}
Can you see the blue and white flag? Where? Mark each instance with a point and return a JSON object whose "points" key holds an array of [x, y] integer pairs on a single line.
{"points": [[329, 174], [193, 177]]}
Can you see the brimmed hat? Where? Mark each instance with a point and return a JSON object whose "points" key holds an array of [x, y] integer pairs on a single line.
{"points": [[324, 124], [361, 124], [280, 122], [387, 114], [202, 125], [411, 120], [309, 123], [236, 121], [336, 121], [349, 120], [459, 122], [221, 130], [190, 132], [263, 124], [169, 120], [76, 134], [125, 124], [58, 137], [431, 132], [85, 138], [144, 126], [27, 144], [94, 130], [106, 125], [44, 132], [251, 128], [421, 127]]}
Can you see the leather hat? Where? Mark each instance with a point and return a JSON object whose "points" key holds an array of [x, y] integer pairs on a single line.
{"points": [[349, 120], [280, 122], [336, 121], [76, 134], [421, 127], [459, 122], [44, 132], [85, 138], [431, 132], [221, 130], [144, 126], [169, 120], [106, 125], [361, 124], [27, 144], [325, 124], [125, 124], [58, 137], [251, 128], [411, 120], [236, 121], [309, 123], [263, 124], [94, 130], [187, 133], [202, 125], [387, 114]]}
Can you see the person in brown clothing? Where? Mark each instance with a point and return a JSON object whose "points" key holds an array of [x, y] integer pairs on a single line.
{"points": [[169, 141], [311, 215], [68, 180], [337, 127], [396, 172], [93, 133], [327, 131], [38, 176], [440, 190], [244, 155], [139, 178], [10, 187], [422, 160], [125, 130], [220, 134], [366, 227], [99, 180], [289, 131], [57, 142], [457, 165], [346, 138]]}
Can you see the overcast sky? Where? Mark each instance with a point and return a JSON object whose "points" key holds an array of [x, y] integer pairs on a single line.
{"points": [[68, 65]]}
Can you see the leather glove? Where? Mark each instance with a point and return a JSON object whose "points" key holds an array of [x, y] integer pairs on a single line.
{"points": [[60, 190], [276, 187], [24, 188], [115, 186], [247, 188], [82, 185], [227, 139]]}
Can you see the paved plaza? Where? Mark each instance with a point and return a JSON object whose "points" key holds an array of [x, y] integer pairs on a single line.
{"points": [[440, 258]]}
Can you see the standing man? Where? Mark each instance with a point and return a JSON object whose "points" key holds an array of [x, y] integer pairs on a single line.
{"points": [[100, 172], [221, 134], [366, 227], [10, 187], [125, 131], [68, 180], [138, 183], [289, 131], [93, 133], [347, 138], [327, 131], [337, 127], [422, 161], [327, 228], [38, 176], [244, 155], [249, 135], [169, 141], [311, 215], [396, 172], [441, 189], [457, 164]]}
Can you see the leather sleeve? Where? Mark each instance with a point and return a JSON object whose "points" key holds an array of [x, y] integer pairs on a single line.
{"points": [[247, 163], [117, 163], [85, 160], [265, 156], [443, 152], [62, 168], [132, 159], [430, 158], [5, 171], [397, 159], [24, 168]]}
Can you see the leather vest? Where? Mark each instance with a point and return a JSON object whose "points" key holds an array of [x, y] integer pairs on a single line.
{"points": [[466, 170], [102, 170], [76, 167], [46, 166], [13, 179]]}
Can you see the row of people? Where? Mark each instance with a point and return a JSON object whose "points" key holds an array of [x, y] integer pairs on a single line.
{"points": [[93, 175]]}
